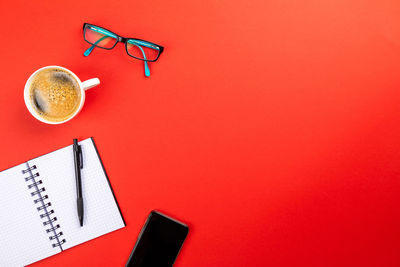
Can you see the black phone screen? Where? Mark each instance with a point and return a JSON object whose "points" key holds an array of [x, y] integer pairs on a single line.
{"points": [[159, 242]]}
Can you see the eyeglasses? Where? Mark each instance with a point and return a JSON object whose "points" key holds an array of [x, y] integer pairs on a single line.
{"points": [[139, 49]]}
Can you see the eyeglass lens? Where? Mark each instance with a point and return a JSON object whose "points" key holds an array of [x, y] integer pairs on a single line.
{"points": [[141, 49], [100, 37]]}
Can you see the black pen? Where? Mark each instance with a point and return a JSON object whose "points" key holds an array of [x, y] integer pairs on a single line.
{"points": [[78, 166]]}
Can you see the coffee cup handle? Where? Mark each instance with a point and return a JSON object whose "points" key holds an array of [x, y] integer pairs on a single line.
{"points": [[90, 83]]}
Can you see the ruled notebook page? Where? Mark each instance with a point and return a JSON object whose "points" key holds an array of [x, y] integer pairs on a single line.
{"points": [[23, 239], [101, 213]]}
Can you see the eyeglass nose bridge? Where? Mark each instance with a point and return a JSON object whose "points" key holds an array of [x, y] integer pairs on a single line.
{"points": [[121, 39]]}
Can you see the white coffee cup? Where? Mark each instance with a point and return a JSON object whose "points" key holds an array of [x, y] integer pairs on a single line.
{"points": [[82, 85]]}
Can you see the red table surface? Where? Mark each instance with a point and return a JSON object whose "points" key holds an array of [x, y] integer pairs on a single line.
{"points": [[270, 127]]}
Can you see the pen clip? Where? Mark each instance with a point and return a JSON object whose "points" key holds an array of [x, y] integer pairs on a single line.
{"points": [[80, 157]]}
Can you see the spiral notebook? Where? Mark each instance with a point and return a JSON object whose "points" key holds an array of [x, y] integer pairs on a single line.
{"points": [[38, 212]]}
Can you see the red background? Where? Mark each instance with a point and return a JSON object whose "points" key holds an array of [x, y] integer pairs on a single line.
{"points": [[270, 127]]}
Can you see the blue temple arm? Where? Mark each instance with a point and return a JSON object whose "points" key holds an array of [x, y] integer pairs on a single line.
{"points": [[139, 44], [143, 43], [102, 31], [146, 66], [90, 49]]}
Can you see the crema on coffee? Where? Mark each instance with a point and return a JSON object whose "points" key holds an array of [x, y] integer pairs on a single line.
{"points": [[55, 94]]}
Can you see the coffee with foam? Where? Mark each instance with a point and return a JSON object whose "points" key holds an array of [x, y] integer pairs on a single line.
{"points": [[54, 94]]}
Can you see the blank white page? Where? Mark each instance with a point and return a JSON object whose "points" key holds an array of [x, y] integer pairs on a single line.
{"points": [[101, 213], [23, 239]]}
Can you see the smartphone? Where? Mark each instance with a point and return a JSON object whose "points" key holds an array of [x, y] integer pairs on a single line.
{"points": [[159, 242]]}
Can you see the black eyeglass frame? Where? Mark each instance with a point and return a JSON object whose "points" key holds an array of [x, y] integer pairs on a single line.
{"points": [[123, 40]]}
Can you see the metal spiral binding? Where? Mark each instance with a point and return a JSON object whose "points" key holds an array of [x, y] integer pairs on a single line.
{"points": [[40, 198]]}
